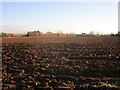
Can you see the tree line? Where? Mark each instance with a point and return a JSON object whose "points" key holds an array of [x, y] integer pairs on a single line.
{"points": [[38, 33]]}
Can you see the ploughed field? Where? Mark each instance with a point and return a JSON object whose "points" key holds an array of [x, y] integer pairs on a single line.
{"points": [[71, 63]]}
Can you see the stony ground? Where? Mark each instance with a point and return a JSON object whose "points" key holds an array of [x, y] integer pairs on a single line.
{"points": [[56, 65]]}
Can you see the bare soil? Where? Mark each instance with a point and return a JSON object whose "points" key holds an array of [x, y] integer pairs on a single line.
{"points": [[53, 63]]}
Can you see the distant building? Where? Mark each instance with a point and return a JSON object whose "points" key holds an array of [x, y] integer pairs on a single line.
{"points": [[50, 34], [83, 34], [34, 33]]}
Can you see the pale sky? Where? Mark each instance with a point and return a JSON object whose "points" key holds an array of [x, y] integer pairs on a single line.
{"points": [[77, 17]]}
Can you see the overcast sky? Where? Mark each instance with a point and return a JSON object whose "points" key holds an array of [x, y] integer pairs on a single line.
{"points": [[77, 17]]}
